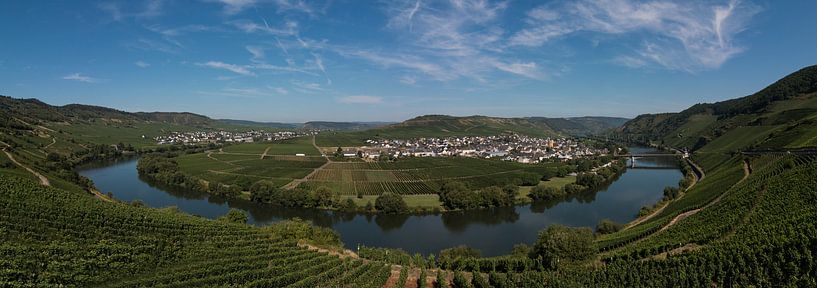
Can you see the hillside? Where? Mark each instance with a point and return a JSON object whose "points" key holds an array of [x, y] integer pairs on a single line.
{"points": [[342, 126], [782, 115], [444, 126], [36, 111]]}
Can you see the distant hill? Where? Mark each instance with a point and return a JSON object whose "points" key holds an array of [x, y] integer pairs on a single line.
{"points": [[343, 126], [274, 125], [36, 111], [782, 115], [444, 126]]}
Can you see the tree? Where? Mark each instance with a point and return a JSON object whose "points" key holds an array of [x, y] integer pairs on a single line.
{"points": [[542, 192], [390, 203], [348, 205], [558, 243], [339, 152], [235, 216], [263, 191], [455, 195], [324, 197], [511, 191], [671, 193], [607, 226], [529, 179]]}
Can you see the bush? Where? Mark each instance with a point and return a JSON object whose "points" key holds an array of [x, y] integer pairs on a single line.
{"points": [[607, 226], [542, 192], [529, 179], [235, 216], [459, 252], [558, 243], [390, 203]]}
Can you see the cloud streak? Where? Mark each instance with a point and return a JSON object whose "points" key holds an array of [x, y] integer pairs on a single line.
{"points": [[80, 78], [229, 67], [360, 99], [682, 36]]}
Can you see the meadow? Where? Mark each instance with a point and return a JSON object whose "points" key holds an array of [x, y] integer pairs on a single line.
{"points": [[418, 180]]}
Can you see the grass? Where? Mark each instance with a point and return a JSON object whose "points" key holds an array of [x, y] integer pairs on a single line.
{"points": [[289, 147], [555, 182]]}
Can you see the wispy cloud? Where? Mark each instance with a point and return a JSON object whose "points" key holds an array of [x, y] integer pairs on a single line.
{"points": [[319, 64], [288, 28], [229, 67], [232, 7], [360, 99], [408, 80], [256, 51], [294, 5], [147, 9], [450, 40], [684, 36], [81, 78], [141, 64]]}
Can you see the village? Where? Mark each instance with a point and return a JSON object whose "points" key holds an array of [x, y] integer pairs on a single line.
{"points": [[513, 147], [200, 137]]}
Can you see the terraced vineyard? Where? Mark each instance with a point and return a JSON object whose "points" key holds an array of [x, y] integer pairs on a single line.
{"points": [[245, 164], [55, 237], [414, 176]]}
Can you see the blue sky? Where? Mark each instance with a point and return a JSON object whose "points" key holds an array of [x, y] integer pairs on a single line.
{"points": [[294, 61]]}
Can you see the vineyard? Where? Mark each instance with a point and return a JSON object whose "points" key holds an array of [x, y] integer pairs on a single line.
{"points": [[417, 176], [53, 237]]}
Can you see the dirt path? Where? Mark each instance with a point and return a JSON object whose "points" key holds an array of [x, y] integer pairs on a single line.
{"points": [[394, 278], [746, 171], [296, 182], [101, 196], [53, 141], [43, 180], [265, 152], [413, 276]]}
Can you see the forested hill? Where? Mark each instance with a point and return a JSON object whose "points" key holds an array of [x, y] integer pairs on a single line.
{"points": [[35, 111], [782, 115], [484, 125]]}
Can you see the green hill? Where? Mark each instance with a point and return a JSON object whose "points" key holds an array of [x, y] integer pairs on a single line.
{"points": [[782, 115], [445, 126]]}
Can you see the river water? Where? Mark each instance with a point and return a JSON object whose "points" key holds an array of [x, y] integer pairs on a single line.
{"points": [[493, 231]]}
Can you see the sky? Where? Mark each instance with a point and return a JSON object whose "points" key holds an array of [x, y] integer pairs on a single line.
{"points": [[299, 60]]}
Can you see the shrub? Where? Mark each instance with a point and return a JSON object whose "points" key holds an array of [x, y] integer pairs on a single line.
{"points": [[390, 203]]}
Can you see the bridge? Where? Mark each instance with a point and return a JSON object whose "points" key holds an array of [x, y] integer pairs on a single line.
{"points": [[634, 156]]}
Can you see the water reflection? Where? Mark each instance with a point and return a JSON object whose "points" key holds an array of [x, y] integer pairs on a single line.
{"points": [[494, 231]]}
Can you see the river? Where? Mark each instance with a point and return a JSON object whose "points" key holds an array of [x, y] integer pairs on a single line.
{"points": [[493, 231]]}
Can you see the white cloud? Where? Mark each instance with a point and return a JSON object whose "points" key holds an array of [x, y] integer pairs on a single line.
{"points": [[279, 90], [319, 63], [81, 78], [360, 99], [150, 9], [408, 80], [229, 67], [289, 28], [450, 40], [142, 64], [684, 36], [257, 52], [232, 7], [294, 5], [527, 69]]}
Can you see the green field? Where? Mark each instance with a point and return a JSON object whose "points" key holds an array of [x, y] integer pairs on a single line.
{"points": [[555, 182], [418, 176], [242, 164]]}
